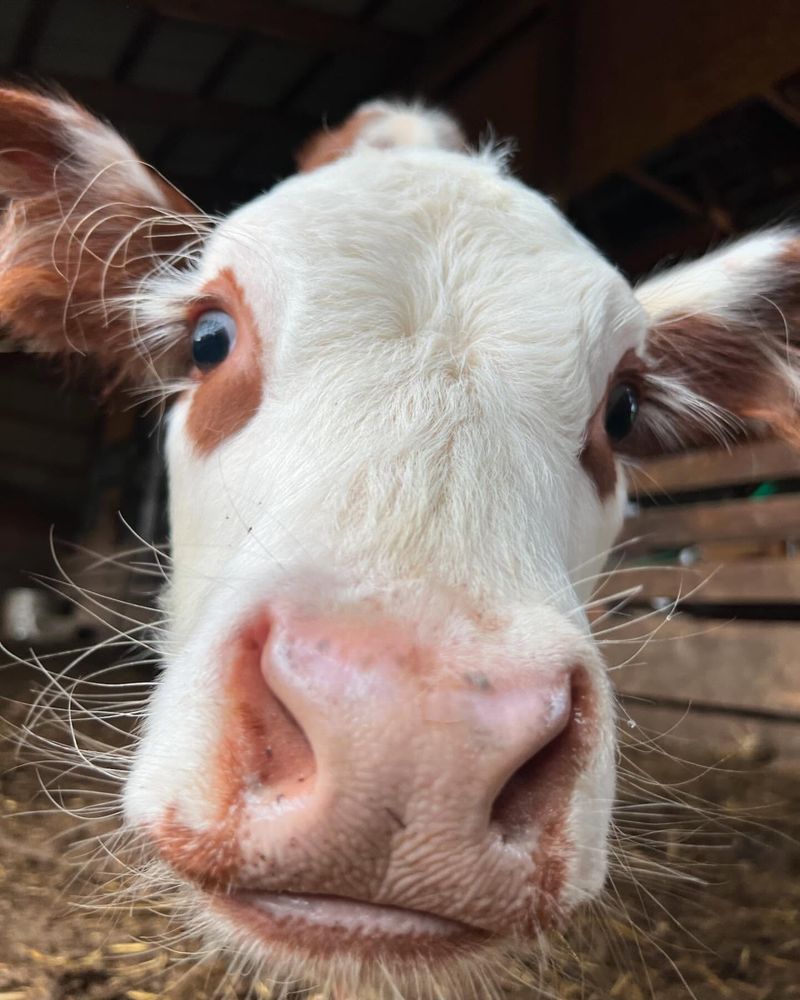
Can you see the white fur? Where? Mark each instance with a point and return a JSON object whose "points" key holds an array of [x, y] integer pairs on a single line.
{"points": [[435, 338], [407, 125], [721, 284], [738, 288]]}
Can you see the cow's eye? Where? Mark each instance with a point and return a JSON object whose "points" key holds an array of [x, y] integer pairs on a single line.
{"points": [[621, 411], [212, 339]]}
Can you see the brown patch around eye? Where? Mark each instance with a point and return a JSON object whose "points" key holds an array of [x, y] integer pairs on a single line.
{"points": [[597, 455], [228, 396]]}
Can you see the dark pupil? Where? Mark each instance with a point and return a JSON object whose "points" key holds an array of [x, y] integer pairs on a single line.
{"points": [[623, 405], [212, 339]]}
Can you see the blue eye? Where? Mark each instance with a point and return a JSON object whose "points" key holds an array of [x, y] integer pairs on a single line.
{"points": [[213, 339]]}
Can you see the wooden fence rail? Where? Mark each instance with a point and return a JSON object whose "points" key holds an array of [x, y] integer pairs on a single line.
{"points": [[706, 650]]}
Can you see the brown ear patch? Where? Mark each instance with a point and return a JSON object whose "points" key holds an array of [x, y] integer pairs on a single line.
{"points": [[739, 367], [731, 374], [83, 222], [598, 457], [228, 396]]}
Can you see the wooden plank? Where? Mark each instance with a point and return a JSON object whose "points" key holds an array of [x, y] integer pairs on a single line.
{"points": [[646, 73], [705, 467], [298, 25], [748, 581], [710, 737], [774, 518], [744, 665]]}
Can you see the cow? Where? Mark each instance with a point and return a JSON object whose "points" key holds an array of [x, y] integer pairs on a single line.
{"points": [[380, 756]]}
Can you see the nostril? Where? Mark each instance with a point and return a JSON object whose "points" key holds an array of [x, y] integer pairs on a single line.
{"points": [[289, 766], [267, 744], [537, 792]]}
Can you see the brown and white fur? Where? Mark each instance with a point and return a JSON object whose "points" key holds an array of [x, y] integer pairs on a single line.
{"points": [[381, 751]]}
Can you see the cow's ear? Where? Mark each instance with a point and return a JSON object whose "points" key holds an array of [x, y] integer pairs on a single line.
{"points": [[83, 223], [382, 125], [723, 349]]}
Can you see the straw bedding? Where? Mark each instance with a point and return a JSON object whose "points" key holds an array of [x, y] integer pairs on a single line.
{"points": [[735, 938]]}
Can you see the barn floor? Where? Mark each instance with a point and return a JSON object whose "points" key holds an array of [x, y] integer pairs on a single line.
{"points": [[737, 938]]}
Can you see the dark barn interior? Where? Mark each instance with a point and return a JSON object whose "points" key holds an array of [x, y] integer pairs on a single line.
{"points": [[660, 129]]}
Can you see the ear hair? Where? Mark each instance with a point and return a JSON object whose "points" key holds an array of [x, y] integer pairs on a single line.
{"points": [[724, 346], [85, 221]]}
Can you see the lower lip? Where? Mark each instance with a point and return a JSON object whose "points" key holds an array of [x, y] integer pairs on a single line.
{"points": [[329, 923]]}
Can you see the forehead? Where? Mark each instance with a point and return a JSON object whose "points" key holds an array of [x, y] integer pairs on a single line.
{"points": [[425, 246]]}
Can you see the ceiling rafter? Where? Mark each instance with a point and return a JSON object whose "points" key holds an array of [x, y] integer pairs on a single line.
{"points": [[462, 43], [126, 101], [31, 32], [136, 44], [279, 21], [670, 74], [323, 59], [786, 108], [672, 195]]}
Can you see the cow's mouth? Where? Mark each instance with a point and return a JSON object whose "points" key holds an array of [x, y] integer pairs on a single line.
{"points": [[325, 925]]}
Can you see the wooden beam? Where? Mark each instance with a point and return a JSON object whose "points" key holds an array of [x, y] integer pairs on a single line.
{"points": [[746, 463], [747, 665], [299, 25], [459, 46], [747, 581], [678, 199], [787, 109], [670, 241], [123, 100], [699, 733], [226, 62], [135, 45], [647, 73], [30, 33], [774, 518], [477, 80]]}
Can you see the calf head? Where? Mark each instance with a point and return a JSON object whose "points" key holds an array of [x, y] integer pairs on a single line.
{"points": [[382, 748]]}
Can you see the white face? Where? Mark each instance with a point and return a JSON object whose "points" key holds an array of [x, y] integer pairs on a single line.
{"points": [[383, 731], [380, 757]]}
